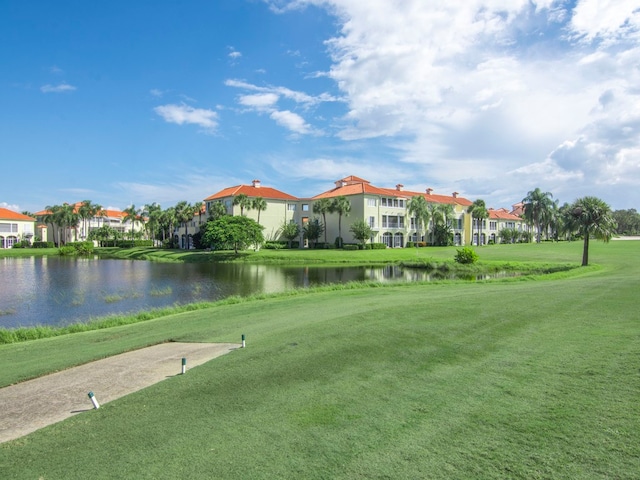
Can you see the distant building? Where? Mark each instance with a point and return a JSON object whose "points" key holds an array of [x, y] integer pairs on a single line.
{"points": [[15, 227]]}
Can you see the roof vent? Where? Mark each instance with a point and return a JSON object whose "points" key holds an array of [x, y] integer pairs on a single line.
{"points": [[256, 183], [399, 187], [429, 190], [454, 194]]}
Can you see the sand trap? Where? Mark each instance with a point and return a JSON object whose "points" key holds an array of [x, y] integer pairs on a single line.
{"points": [[34, 404]]}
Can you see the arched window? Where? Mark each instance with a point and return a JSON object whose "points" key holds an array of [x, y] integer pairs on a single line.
{"points": [[387, 239], [398, 240]]}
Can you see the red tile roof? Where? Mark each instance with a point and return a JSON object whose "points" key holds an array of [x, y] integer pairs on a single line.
{"points": [[503, 214], [251, 191], [353, 185], [105, 213], [6, 214]]}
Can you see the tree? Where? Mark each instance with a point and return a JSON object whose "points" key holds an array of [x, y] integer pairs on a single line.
{"points": [[290, 231], [628, 221], [419, 208], [235, 232], [216, 210], [536, 206], [478, 211], [167, 220], [86, 211], [243, 201], [591, 217], [153, 212], [259, 204], [322, 207], [361, 231], [312, 230], [131, 215], [184, 214], [442, 233], [341, 206]]}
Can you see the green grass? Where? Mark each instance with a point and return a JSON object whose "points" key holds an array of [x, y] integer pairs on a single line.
{"points": [[530, 378]]}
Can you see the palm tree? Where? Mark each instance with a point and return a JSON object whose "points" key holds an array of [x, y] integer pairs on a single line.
{"points": [[216, 210], [243, 201], [322, 207], [591, 216], [52, 218], [153, 212], [478, 211], [536, 207], [341, 206], [419, 208], [167, 221], [184, 213], [259, 204], [131, 215], [86, 211]]}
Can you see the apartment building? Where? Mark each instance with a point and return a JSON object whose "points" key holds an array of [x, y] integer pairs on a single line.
{"points": [[15, 227]]}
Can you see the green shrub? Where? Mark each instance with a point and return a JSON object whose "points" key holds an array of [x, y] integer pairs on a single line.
{"points": [[350, 246], [22, 244], [378, 246], [134, 243], [410, 244], [82, 248], [274, 245], [466, 255], [43, 245], [67, 251]]}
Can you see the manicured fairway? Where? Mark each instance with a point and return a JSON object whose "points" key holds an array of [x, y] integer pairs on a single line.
{"points": [[534, 378]]}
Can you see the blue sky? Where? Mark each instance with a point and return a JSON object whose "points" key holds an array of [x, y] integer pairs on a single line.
{"points": [[127, 102]]}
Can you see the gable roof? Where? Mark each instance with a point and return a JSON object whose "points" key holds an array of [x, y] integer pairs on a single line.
{"points": [[76, 206], [6, 214], [251, 191]]}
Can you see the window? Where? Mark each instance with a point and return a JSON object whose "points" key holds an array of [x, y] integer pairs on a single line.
{"points": [[372, 222], [371, 202], [9, 227], [493, 225], [305, 207], [291, 207], [393, 221]]}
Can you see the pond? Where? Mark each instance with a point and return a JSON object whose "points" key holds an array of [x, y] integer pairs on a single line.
{"points": [[62, 290]]}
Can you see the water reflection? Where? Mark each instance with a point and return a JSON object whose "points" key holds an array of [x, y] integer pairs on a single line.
{"points": [[61, 290]]}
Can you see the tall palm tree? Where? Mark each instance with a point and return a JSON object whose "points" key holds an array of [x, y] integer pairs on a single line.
{"points": [[153, 213], [243, 201], [478, 211], [53, 218], [536, 206], [86, 211], [259, 204], [167, 221], [131, 215], [216, 210], [322, 207], [341, 206], [419, 208], [446, 213], [184, 213], [591, 216]]}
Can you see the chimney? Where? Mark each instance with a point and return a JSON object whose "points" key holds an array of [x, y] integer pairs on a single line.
{"points": [[454, 194], [399, 187], [429, 190], [341, 183], [256, 183]]}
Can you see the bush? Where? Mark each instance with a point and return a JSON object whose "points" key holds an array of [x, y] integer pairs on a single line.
{"points": [[81, 248], [22, 244], [378, 246], [134, 243], [273, 245], [466, 255], [67, 251], [43, 245], [411, 244], [350, 246]]}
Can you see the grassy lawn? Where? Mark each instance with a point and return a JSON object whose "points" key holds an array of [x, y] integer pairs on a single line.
{"points": [[534, 378]]}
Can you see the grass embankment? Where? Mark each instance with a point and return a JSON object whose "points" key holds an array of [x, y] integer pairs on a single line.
{"points": [[520, 379]]}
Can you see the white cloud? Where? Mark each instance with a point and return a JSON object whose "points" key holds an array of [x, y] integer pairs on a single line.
{"points": [[259, 100], [10, 206], [156, 92], [185, 114], [291, 121], [481, 92], [63, 87], [235, 54]]}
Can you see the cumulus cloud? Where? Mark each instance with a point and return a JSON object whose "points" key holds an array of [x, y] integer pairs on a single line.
{"points": [[186, 114], [259, 100], [478, 91], [60, 88]]}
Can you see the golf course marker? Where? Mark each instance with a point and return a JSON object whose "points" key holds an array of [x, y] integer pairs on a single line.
{"points": [[243, 343], [184, 365], [96, 405]]}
